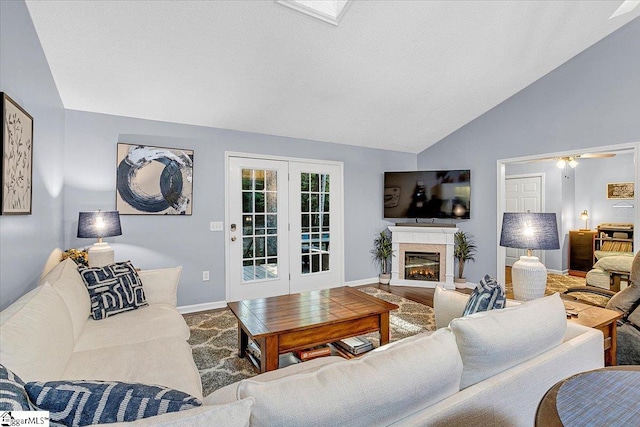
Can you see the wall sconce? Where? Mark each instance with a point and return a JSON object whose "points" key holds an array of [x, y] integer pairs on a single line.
{"points": [[584, 216]]}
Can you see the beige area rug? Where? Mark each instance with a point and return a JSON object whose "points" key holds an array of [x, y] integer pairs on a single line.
{"points": [[560, 283], [214, 338]]}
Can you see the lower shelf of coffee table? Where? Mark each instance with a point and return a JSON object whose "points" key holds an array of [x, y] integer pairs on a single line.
{"points": [[287, 359]]}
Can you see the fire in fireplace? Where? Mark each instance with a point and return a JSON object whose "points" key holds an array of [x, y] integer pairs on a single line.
{"points": [[422, 266]]}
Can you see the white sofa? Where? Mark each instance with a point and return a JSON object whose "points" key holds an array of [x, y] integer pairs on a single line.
{"points": [[476, 371], [48, 335], [489, 369]]}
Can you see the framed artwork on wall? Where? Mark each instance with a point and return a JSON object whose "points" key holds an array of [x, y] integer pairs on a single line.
{"points": [[17, 159], [620, 190], [154, 180]]}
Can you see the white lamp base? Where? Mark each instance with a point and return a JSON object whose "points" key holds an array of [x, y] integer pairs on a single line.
{"points": [[529, 278], [100, 254]]}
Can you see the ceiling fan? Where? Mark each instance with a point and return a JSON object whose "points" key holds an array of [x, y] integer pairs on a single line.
{"points": [[572, 161]]}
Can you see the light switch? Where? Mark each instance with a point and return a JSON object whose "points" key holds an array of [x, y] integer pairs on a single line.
{"points": [[216, 226]]}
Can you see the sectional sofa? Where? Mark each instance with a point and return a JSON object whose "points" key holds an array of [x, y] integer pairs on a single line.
{"points": [[485, 369]]}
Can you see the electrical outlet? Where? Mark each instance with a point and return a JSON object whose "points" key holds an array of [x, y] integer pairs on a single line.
{"points": [[205, 276], [216, 226]]}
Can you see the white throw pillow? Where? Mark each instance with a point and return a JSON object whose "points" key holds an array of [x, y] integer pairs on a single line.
{"points": [[160, 286], [448, 305], [375, 389], [493, 341], [615, 263], [66, 280], [36, 341]]}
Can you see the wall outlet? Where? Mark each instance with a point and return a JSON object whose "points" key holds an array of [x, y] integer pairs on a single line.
{"points": [[216, 226], [205, 276]]}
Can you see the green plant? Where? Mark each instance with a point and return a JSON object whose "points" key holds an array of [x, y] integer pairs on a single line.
{"points": [[382, 250], [464, 250]]}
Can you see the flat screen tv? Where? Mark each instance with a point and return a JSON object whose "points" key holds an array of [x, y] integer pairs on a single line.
{"points": [[427, 194]]}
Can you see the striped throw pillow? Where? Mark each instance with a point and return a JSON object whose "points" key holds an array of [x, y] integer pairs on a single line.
{"points": [[487, 295], [81, 403]]}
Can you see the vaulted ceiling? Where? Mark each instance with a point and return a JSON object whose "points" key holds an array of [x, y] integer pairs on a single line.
{"points": [[397, 75]]}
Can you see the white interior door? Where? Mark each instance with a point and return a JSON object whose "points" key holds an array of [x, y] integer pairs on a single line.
{"points": [[284, 227], [522, 194], [258, 222]]}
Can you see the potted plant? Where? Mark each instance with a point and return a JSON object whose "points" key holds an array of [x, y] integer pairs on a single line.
{"points": [[464, 250], [382, 253]]}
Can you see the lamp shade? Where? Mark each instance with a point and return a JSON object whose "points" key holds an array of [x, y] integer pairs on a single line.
{"points": [[99, 224], [529, 231]]}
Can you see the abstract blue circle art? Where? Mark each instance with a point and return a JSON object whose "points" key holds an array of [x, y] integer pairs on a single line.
{"points": [[154, 180]]}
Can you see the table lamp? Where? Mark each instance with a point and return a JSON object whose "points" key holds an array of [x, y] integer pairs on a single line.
{"points": [[529, 231], [99, 224], [585, 217]]}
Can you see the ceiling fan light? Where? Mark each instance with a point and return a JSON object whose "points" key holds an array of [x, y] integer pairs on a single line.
{"points": [[561, 163]]}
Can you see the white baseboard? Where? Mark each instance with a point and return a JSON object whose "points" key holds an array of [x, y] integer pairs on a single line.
{"points": [[185, 309], [560, 272], [361, 282]]}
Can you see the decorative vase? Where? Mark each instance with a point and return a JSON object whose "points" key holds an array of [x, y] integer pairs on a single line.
{"points": [[461, 283], [384, 278]]}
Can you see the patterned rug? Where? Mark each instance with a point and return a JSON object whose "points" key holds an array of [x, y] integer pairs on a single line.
{"points": [[214, 338], [560, 283]]}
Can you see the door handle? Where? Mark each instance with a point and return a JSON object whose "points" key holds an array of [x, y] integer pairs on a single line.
{"points": [[233, 239]]}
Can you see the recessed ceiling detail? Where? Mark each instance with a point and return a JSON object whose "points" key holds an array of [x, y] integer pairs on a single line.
{"points": [[330, 11]]}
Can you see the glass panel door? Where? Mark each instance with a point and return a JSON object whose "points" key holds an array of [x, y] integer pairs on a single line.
{"points": [[258, 230], [316, 226]]}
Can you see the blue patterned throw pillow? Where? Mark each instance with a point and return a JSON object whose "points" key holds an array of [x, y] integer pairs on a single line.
{"points": [[488, 295], [81, 403], [13, 396], [113, 289]]}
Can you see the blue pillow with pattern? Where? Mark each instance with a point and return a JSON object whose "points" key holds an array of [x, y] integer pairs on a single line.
{"points": [[113, 289], [487, 295], [13, 396], [81, 403]]}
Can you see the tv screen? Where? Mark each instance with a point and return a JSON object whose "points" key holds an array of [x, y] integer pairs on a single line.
{"points": [[427, 194]]}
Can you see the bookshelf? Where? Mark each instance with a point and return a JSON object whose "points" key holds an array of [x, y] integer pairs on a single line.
{"points": [[613, 237]]}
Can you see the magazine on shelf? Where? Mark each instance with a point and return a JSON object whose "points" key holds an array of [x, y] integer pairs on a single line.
{"points": [[355, 345]]}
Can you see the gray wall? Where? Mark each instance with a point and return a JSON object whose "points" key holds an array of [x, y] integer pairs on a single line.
{"points": [[592, 100], [27, 240], [592, 176], [158, 241]]}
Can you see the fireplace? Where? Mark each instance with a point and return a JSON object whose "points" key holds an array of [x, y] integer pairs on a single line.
{"points": [[423, 256], [422, 266]]}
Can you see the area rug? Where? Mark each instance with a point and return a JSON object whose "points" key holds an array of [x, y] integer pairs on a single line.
{"points": [[214, 338]]}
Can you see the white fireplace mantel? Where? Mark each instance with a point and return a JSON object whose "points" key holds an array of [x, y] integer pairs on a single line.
{"points": [[411, 236]]}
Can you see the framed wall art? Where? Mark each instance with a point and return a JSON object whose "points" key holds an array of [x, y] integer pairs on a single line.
{"points": [[620, 190], [154, 180], [17, 159]]}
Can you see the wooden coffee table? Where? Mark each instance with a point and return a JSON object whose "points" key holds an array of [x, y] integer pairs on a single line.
{"points": [[291, 322]]}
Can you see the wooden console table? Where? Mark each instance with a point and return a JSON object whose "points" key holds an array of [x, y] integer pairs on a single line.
{"points": [[286, 323]]}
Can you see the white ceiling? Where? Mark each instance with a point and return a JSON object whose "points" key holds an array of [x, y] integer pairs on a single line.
{"points": [[397, 75]]}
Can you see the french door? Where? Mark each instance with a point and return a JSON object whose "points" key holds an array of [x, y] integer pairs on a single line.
{"points": [[284, 227]]}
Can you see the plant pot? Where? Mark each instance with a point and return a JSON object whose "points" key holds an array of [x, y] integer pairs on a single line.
{"points": [[384, 278], [460, 283]]}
